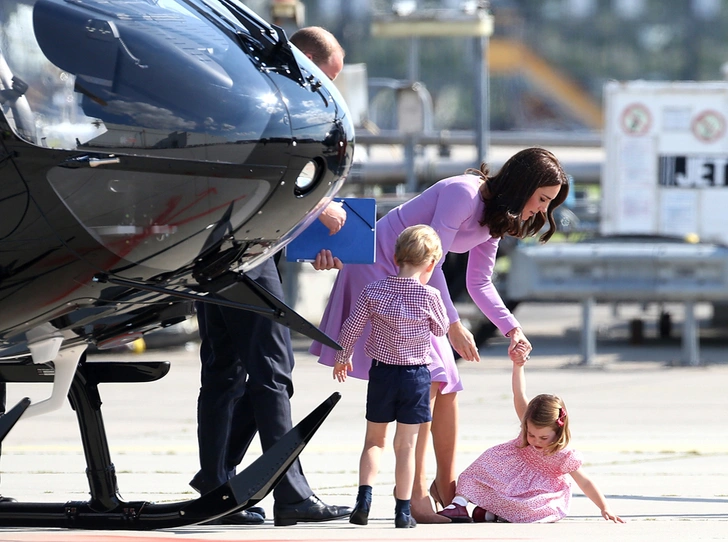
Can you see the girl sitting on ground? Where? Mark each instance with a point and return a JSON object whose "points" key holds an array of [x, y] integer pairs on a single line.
{"points": [[525, 480]]}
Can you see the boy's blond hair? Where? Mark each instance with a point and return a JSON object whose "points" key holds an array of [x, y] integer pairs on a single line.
{"points": [[417, 245]]}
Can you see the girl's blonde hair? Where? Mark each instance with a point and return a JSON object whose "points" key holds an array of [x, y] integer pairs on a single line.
{"points": [[417, 245], [547, 411]]}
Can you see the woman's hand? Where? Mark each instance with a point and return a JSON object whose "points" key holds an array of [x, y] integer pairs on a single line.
{"points": [[325, 260], [463, 342], [519, 354], [520, 348]]}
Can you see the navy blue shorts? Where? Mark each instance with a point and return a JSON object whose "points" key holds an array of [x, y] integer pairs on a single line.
{"points": [[398, 393]]}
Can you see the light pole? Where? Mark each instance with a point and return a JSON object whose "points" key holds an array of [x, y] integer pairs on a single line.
{"points": [[476, 23]]}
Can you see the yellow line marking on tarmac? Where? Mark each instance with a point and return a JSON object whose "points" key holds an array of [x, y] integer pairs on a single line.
{"points": [[659, 447]]}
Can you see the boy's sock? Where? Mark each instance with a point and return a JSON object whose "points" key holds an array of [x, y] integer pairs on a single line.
{"points": [[364, 494], [402, 505]]}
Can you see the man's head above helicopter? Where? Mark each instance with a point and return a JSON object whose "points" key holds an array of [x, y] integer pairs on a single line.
{"points": [[322, 48]]}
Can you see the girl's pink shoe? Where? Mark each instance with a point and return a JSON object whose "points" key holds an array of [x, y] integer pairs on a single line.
{"points": [[478, 515], [456, 513]]}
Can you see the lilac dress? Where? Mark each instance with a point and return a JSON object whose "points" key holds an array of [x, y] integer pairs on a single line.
{"points": [[452, 207]]}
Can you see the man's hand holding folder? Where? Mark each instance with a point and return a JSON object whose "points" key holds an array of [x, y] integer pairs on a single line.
{"points": [[353, 243], [333, 217]]}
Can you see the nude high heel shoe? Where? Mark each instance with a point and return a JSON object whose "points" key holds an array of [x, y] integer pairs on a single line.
{"points": [[435, 494], [422, 512]]}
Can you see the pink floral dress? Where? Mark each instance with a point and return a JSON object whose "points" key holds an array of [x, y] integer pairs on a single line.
{"points": [[521, 485]]}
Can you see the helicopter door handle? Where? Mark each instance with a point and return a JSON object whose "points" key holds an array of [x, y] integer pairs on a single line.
{"points": [[90, 161], [96, 162]]}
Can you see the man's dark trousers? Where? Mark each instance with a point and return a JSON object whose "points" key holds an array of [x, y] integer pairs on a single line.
{"points": [[239, 345]]}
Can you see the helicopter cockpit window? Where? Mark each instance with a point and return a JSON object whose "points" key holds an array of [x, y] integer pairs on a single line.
{"points": [[144, 75], [36, 97]]}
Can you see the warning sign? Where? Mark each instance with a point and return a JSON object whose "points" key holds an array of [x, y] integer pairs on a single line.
{"points": [[709, 126], [636, 119]]}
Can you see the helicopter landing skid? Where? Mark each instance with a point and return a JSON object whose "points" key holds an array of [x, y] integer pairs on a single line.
{"points": [[106, 510]]}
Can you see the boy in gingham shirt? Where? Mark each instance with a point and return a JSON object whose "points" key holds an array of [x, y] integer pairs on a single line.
{"points": [[403, 312]]}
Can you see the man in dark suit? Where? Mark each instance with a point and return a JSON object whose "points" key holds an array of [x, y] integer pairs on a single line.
{"points": [[247, 360], [3, 396]]}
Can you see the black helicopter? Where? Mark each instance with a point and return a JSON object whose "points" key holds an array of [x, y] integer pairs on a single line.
{"points": [[152, 151]]}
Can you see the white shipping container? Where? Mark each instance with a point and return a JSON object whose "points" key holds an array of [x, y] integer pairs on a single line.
{"points": [[666, 159]]}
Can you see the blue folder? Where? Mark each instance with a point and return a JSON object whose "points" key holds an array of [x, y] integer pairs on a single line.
{"points": [[353, 243]]}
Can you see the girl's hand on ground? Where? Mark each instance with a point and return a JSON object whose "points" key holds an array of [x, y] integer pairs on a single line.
{"points": [[607, 514]]}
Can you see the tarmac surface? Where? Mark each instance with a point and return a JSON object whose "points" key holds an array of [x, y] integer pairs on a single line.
{"points": [[653, 433]]}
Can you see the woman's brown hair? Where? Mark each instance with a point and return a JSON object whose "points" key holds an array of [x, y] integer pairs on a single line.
{"points": [[507, 192]]}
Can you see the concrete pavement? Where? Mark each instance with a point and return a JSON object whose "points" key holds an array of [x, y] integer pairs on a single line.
{"points": [[654, 436]]}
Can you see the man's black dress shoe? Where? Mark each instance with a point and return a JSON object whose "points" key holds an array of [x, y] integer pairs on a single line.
{"points": [[7, 499], [257, 510], [244, 517], [311, 509]]}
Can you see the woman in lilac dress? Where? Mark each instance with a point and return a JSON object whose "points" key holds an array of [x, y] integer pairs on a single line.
{"points": [[470, 212]]}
